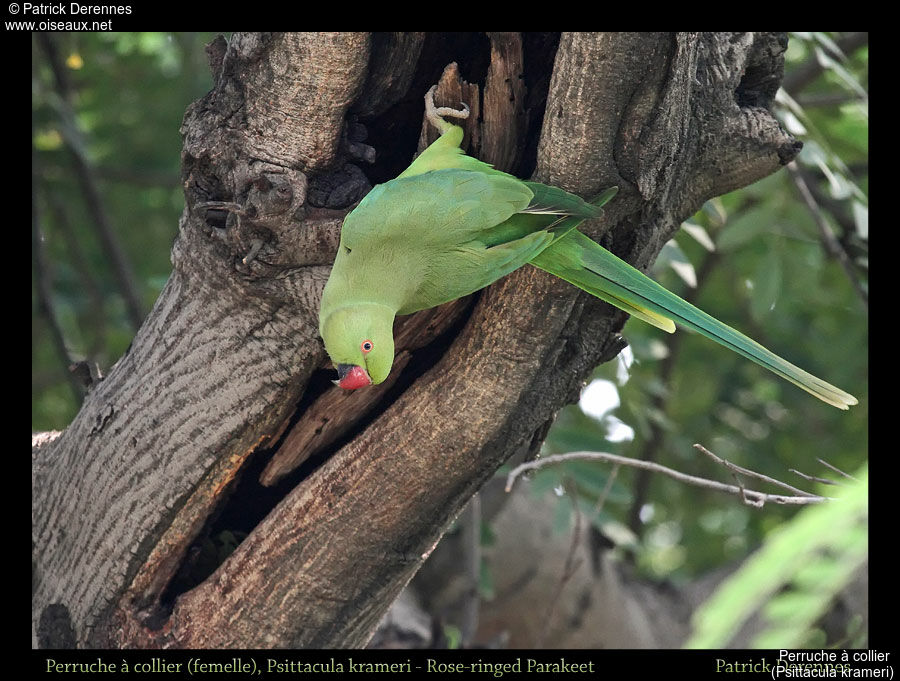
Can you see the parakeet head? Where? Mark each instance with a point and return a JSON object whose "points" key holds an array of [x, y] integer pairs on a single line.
{"points": [[360, 341]]}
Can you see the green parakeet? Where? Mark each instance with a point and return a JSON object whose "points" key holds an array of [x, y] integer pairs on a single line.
{"points": [[450, 225]]}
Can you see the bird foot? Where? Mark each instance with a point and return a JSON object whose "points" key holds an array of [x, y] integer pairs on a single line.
{"points": [[435, 114]]}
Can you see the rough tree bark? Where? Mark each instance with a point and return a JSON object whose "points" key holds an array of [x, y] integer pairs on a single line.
{"points": [[225, 379]]}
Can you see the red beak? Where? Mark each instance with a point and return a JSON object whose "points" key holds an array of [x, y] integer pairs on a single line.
{"points": [[352, 377]]}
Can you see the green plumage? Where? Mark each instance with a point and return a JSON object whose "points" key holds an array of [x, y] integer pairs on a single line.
{"points": [[450, 225]]}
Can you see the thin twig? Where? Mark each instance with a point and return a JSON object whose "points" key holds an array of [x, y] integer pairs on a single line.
{"points": [[677, 475], [43, 288], [84, 173], [94, 322], [607, 488], [799, 77], [734, 470], [753, 474], [827, 99], [836, 469], [813, 478], [758, 503], [832, 245]]}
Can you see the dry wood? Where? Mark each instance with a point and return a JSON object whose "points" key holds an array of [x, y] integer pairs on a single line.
{"points": [[504, 103]]}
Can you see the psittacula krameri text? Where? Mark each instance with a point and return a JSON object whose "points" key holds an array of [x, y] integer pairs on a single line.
{"points": [[450, 225]]}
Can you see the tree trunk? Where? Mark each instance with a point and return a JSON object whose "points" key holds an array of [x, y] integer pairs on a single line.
{"points": [[223, 396]]}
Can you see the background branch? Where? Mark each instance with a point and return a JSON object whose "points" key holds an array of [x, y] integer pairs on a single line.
{"points": [[760, 497], [85, 175]]}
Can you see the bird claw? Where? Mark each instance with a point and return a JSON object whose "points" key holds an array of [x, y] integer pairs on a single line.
{"points": [[435, 114]]}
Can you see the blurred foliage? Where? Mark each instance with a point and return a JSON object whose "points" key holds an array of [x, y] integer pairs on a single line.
{"points": [[760, 264], [118, 100], [755, 259], [793, 578]]}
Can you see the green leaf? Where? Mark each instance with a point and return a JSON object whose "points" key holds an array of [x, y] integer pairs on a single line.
{"points": [[672, 255], [861, 218], [793, 577], [843, 75], [453, 635], [714, 209], [700, 235], [745, 227]]}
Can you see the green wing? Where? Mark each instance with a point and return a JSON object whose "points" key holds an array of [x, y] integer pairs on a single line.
{"points": [[428, 237], [437, 208], [497, 246]]}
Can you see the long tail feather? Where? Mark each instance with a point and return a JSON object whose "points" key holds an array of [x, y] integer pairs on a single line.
{"points": [[618, 283]]}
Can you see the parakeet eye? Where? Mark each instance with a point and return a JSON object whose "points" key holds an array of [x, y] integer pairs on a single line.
{"points": [[367, 346]]}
